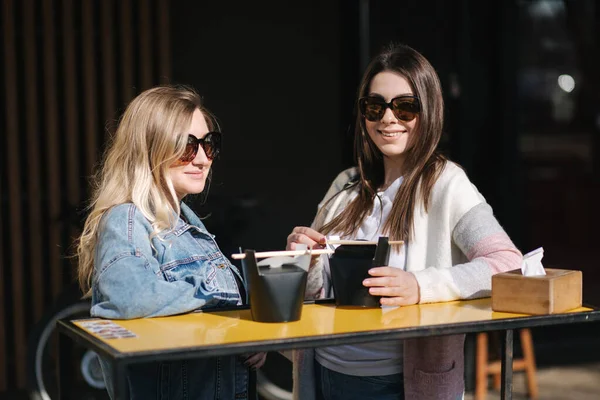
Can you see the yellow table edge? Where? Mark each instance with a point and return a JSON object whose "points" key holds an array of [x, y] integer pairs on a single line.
{"points": [[320, 323]]}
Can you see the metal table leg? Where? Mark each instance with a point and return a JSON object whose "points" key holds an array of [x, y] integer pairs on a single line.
{"points": [[63, 366], [120, 381], [507, 366]]}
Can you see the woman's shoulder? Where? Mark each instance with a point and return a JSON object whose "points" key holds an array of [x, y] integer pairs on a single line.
{"points": [[452, 171], [454, 189], [451, 177], [345, 178], [342, 181], [125, 214], [121, 211]]}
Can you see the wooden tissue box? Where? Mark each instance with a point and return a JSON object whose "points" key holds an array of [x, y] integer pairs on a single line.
{"points": [[558, 291]]}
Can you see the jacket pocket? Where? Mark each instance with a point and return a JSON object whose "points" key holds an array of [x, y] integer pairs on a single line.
{"points": [[196, 266], [439, 385], [213, 280]]}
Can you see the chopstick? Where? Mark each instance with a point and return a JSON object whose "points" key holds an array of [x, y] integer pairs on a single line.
{"points": [[316, 252], [360, 242], [264, 254]]}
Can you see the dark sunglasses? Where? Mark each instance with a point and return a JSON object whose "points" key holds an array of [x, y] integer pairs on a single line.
{"points": [[405, 108], [211, 144]]}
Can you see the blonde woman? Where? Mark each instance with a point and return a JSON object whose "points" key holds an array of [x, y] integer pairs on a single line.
{"points": [[144, 253]]}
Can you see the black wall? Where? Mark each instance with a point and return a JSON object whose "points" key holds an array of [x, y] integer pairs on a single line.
{"points": [[270, 71], [282, 77]]}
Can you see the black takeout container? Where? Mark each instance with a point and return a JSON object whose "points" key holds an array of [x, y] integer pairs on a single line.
{"points": [[349, 266], [276, 294]]}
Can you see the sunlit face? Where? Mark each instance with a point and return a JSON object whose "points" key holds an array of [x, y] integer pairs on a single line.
{"points": [[190, 178], [390, 134]]}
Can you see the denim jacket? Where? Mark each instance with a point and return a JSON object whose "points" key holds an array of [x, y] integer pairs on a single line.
{"points": [[141, 274]]}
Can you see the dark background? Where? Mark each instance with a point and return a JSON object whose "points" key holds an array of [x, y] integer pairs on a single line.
{"points": [[281, 78]]}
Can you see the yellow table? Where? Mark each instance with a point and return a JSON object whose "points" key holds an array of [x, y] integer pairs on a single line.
{"points": [[215, 333]]}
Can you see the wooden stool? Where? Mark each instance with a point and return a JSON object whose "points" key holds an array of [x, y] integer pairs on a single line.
{"points": [[483, 367]]}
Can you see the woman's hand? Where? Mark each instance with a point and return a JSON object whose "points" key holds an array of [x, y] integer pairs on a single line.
{"points": [[255, 360], [397, 287], [307, 236]]}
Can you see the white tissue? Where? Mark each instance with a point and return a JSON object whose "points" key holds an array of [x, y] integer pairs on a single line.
{"points": [[532, 263]]}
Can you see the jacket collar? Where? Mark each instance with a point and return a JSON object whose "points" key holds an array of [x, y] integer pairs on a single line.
{"points": [[194, 221]]}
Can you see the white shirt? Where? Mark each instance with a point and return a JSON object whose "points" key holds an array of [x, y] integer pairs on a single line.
{"points": [[376, 358]]}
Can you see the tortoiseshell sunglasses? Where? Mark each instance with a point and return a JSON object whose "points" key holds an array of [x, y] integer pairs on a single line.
{"points": [[211, 144], [405, 108]]}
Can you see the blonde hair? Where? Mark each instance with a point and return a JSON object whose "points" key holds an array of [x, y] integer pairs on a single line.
{"points": [[149, 139]]}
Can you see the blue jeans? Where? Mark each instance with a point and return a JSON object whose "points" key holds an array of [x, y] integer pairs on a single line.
{"points": [[333, 385], [223, 378]]}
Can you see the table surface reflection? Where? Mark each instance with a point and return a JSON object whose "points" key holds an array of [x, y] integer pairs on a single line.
{"points": [[229, 332]]}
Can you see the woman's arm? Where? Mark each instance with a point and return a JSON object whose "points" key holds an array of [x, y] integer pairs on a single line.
{"points": [[129, 289], [318, 272], [489, 251], [313, 239], [316, 278]]}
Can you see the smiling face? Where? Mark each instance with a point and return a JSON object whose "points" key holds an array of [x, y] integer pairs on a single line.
{"points": [[190, 178], [391, 135]]}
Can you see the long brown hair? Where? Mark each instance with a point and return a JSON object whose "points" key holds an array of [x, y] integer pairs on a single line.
{"points": [[423, 163]]}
